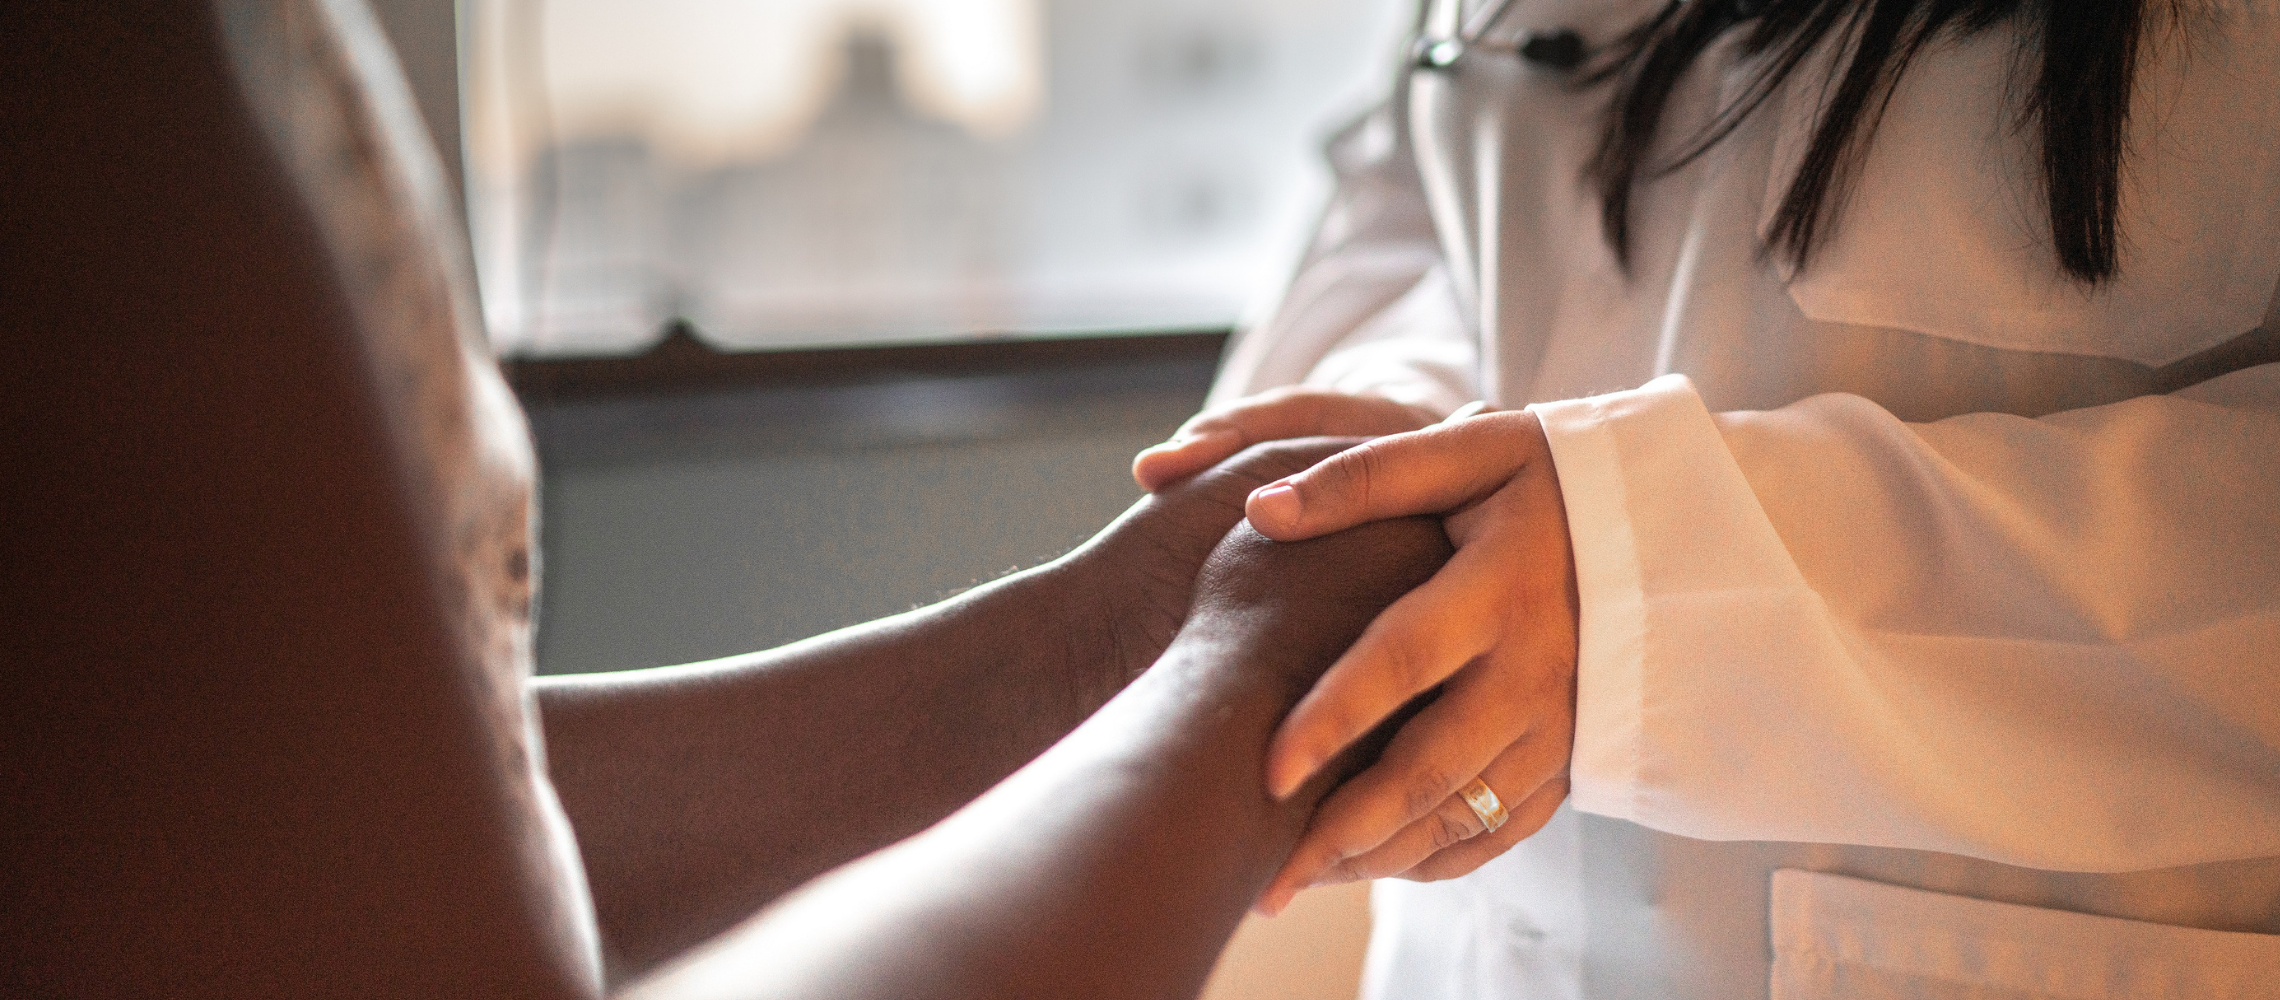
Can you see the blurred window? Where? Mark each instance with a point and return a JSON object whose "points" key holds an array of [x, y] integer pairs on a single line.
{"points": [[789, 173]]}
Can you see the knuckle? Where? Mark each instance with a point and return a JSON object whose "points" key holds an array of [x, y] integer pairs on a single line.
{"points": [[1407, 660], [1362, 465], [1427, 789], [1448, 831], [1360, 869]]}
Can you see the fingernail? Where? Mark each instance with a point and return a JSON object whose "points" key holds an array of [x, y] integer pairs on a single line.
{"points": [[1274, 502]]}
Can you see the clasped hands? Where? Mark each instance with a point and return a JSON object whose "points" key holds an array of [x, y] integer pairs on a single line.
{"points": [[1490, 640]]}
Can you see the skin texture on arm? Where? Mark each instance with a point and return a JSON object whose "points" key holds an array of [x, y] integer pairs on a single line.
{"points": [[700, 793], [1116, 864]]}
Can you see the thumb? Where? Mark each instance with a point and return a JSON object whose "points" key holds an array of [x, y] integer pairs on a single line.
{"points": [[1430, 471]]}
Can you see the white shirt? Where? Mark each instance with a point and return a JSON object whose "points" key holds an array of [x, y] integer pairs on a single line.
{"points": [[1925, 549]]}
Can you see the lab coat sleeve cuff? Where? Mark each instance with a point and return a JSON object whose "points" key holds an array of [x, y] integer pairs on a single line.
{"points": [[1614, 453]]}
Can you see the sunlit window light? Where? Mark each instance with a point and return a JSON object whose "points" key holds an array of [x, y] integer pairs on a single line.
{"points": [[806, 172]]}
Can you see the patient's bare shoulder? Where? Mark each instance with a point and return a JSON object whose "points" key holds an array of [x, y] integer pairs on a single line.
{"points": [[267, 729]]}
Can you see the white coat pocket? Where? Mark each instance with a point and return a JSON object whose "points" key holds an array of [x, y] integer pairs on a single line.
{"points": [[1837, 937], [1946, 230]]}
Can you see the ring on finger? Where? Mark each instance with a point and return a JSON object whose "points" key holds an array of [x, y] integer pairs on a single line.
{"points": [[1484, 804]]}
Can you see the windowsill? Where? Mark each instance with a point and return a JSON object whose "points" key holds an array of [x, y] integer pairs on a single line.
{"points": [[681, 364], [685, 401]]}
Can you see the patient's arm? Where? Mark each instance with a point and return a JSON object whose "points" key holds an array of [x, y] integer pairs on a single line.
{"points": [[257, 743], [1116, 864], [701, 793]]}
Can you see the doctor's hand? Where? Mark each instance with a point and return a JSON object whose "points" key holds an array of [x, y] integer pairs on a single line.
{"points": [[1493, 633], [1209, 438]]}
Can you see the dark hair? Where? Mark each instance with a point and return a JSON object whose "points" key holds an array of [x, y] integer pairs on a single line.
{"points": [[2083, 55]]}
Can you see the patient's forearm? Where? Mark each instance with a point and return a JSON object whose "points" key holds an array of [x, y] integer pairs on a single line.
{"points": [[1117, 864], [701, 792]]}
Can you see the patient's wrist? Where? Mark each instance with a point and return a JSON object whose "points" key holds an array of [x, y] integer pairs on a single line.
{"points": [[1121, 597], [1118, 600], [1083, 629], [1293, 608]]}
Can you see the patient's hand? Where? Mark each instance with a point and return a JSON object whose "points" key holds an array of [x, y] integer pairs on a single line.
{"points": [[1132, 585]]}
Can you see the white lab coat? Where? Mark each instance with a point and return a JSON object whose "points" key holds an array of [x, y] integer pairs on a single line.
{"points": [[1923, 566]]}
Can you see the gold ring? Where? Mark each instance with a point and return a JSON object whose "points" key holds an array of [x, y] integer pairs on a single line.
{"points": [[1484, 804]]}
